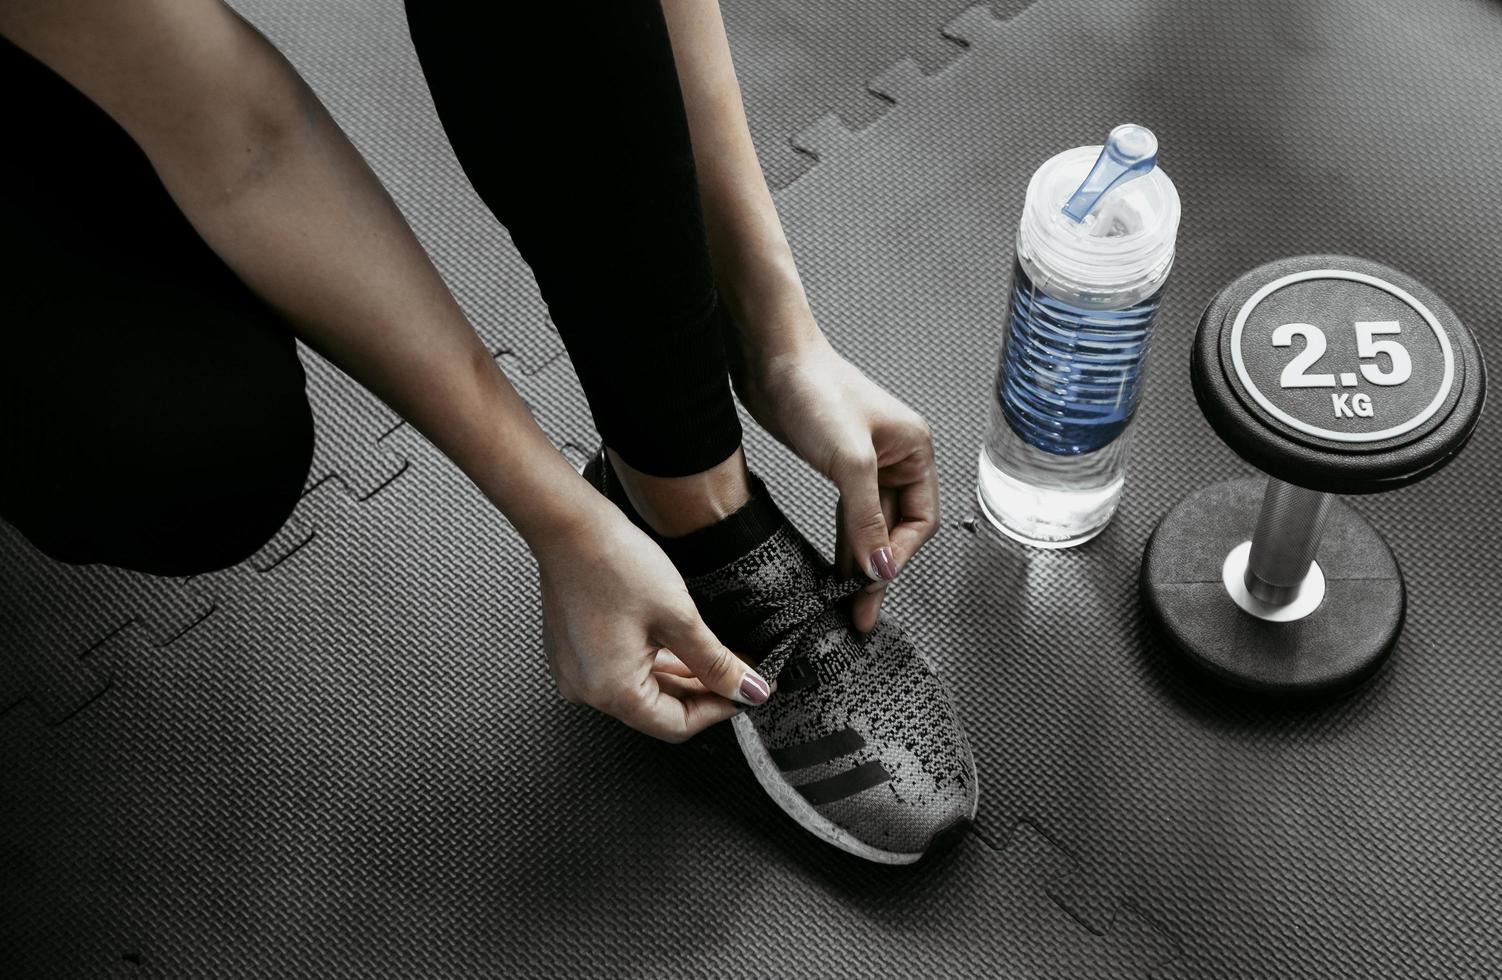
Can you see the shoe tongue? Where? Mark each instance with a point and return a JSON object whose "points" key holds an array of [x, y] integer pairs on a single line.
{"points": [[798, 624], [772, 600]]}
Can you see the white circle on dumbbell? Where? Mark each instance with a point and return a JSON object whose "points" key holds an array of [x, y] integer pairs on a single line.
{"points": [[1347, 379], [1233, 576]]}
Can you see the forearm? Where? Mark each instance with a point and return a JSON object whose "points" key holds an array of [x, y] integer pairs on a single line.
{"points": [[311, 230], [754, 266]]}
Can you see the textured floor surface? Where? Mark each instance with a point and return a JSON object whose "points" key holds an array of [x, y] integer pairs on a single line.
{"points": [[345, 757]]}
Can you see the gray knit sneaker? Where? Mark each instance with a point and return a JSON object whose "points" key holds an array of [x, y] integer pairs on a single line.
{"points": [[860, 743]]}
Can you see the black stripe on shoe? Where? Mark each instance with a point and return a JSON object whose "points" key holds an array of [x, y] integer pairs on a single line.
{"points": [[796, 675], [830, 746], [862, 777]]}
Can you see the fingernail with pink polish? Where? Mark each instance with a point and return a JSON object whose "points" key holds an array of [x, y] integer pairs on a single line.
{"points": [[882, 563], [753, 690]]}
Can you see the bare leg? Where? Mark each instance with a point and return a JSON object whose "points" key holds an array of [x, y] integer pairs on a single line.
{"points": [[677, 505]]}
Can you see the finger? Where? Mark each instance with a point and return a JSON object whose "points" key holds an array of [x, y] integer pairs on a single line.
{"points": [[692, 642], [844, 557], [891, 512], [862, 519], [655, 712], [679, 686], [703, 710], [864, 606], [917, 516], [666, 662]]}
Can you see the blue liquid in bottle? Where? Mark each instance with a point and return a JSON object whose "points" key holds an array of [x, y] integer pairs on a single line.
{"points": [[1070, 377]]}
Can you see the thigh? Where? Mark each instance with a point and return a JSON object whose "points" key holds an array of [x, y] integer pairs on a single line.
{"points": [[152, 412]]}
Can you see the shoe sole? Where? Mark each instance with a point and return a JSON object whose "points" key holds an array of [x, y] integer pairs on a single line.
{"points": [[791, 802]]}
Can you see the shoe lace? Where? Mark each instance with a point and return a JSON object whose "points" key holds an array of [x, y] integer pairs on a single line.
{"points": [[793, 616]]}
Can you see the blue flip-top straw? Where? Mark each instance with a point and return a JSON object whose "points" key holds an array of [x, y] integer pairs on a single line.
{"points": [[1130, 152]]}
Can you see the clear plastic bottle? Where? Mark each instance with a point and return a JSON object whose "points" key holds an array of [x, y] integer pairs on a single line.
{"points": [[1095, 246]]}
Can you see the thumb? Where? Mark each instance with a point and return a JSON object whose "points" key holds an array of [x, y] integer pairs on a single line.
{"points": [[712, 662], [862, 520]]}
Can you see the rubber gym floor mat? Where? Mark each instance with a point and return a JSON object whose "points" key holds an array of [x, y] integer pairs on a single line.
{"points": [[63, 625], [797, 61], [1354, 840]]}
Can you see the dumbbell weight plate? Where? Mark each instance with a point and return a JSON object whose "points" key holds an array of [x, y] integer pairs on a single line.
{"points": [[1337, 374], [1335, 647]]}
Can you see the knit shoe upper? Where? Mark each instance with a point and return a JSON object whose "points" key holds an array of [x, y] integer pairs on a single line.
{"points": [[860, 742], [861, 729]]}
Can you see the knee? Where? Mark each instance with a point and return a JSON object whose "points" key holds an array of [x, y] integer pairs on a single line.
{"points": [[228, 497], [192, 478]]}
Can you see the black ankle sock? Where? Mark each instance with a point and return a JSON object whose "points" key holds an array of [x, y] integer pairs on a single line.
{"points": [[728, 538], [717, 545]]}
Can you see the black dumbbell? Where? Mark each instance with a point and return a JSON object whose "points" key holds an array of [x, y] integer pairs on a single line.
{"points": [[1333, 375]]}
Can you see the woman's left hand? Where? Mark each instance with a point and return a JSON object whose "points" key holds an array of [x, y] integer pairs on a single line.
{"points": [[877, 451]]}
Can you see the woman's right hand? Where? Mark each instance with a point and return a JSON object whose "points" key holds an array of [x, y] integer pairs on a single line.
{"points": [[622, 634]]}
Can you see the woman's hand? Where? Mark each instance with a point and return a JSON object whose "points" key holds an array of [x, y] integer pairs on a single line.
{"points": [[875, 449], [622, 634]]}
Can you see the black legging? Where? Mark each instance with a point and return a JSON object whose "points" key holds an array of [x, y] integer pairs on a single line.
{"points": [[152, 412], [586, 160]]}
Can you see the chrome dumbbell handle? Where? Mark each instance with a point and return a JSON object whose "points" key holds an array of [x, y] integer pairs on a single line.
{"points": [[1289, 527]]}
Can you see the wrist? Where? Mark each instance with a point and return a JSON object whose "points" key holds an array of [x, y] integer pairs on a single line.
{"points": [[771, 321], [562, 514], [760, 287], [530, 482], [774, 342]]}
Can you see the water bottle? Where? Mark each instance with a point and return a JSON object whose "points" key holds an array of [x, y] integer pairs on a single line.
{"points": [[1094, 249]]}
